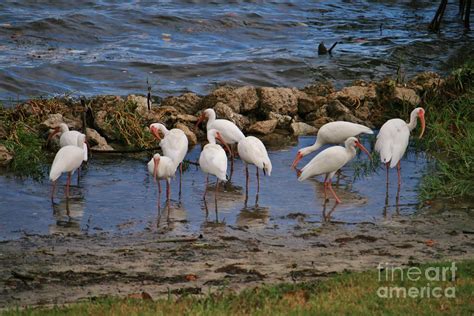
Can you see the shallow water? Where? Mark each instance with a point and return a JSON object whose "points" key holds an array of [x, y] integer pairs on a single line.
{"points": [[116, 195], [112, 47]]}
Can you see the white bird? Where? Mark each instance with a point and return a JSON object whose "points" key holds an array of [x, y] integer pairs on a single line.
{"points": [[229, 132], [213, 159], [174, 145], [67, 159], [68, 137], [252, 151], [329, 161], [162, 168], [332, 133], [393, 137]]}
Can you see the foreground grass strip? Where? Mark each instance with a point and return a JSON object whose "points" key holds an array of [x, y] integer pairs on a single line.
{"points": [[347, 293]]}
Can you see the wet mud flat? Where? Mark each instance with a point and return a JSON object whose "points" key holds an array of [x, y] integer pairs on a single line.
{"points": [[57, 269]]}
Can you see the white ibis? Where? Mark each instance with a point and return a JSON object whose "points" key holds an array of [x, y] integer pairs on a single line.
{"points": [[393, 137], [229, 132], [68, 137], [332, 133], [67, 159], [329, 161], [162, 168], [252, 151], [174, 145], [213, 159]]}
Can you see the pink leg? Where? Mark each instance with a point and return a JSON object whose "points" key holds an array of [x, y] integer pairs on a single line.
{"points": [[231, 163], [246, 183], [326, 187], [399, 174], [180, 177], [205, 188], [333, 193], [258, 181], [68, 182], [159, 186], [53, 188], [215, 193], [168, 190]]}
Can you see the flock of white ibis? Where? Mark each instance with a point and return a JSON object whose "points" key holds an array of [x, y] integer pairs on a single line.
{"points": [[391, 144]]}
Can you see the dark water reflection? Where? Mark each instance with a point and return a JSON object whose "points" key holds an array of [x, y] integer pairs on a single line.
{"points": [[117, 195], [112, 47]]}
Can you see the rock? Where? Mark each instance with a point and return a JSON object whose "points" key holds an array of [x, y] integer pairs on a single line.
{"points": [[166, 115], [263, 127], [321, 121], [225, 95], [353, 95], [407, 95], [283, 120], [5, 156], [363, 111], [225, 111], [192, 139], [339, 112], [321, 112], [248, 98], [279, 100], [189, 103], [96, 141], [335, 109], [187, 118], [300, 128], [309, 103], [320, 89], [52, 121], [141, 102]]}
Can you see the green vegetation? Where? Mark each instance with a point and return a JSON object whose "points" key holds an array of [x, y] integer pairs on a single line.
{"points": [[345, 294], [450, 137], [128, 126]]}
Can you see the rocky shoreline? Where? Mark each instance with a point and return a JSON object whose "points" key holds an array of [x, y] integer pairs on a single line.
{"points": [[118, 123]]}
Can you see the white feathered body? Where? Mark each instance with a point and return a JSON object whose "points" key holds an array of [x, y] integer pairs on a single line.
{"points": [[252, 151], [69, 138], [67, 159], [175, 145], [213, 160], [338, 132], [166, 168], [392, 141], [228, 130], [327, 162]]}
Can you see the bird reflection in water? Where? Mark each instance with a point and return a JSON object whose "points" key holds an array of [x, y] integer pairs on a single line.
{"points": [[68, 216], [326, 216], [387, 198], [172, 216], [253, 216]]}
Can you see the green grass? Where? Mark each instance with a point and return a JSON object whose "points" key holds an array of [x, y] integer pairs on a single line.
{"points": [[450, 137], [344, 294]]}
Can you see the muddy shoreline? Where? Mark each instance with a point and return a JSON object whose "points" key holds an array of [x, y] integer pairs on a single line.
{"points": [[59, 269]]}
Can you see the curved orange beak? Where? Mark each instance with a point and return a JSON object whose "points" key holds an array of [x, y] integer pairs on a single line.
{"points": [[219, 137], [155, 132], [358, 144], [201, 118], [155, 167], [51, 135], [298, 157], [421, 115]]}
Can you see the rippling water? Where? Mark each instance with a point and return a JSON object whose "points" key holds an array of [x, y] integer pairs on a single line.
{"points": [[112, 47], [117, 195]]}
